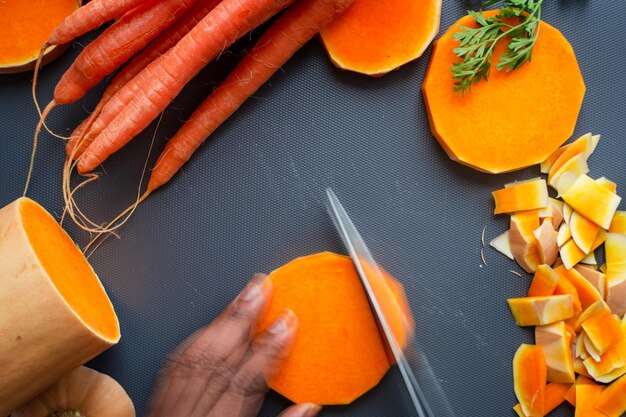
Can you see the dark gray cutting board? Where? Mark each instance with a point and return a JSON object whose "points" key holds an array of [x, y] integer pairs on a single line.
{"points": [[250, 200]]}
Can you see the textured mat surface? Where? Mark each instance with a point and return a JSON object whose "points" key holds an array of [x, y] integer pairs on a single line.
{"points": [[250, 200]]}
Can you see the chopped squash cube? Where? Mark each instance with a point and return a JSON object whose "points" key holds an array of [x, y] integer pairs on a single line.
{"points": [[587, 396], [522, 240], [544, 282], [525, 195], [555, 341], [546, 243], [618, 223], [583, 231], [529, 379], [599, 307], [608, 184], [610, 364], [569, 173], [612, 401], [571, 254], [535, 311], [564, 234], [592, 200], [603, 331], [587, 293]]}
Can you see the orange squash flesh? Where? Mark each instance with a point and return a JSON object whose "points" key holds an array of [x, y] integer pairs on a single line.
{"points": [[618, 223], [43, 271], [603, 331], [529, 379], [374, 37], [521, 197], [544, 282], [555, 395], [612, 401], [71, 274], [481, 129], [587, 395], [592, 200], [338, 353], [583, 145], [555, 341], [536, 311], [25, 25]]}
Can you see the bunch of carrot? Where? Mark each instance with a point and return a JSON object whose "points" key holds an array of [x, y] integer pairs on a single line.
{"points": [[169, 42]]}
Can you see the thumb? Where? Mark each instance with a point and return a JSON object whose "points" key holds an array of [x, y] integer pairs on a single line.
{"points": [[302, 410]]}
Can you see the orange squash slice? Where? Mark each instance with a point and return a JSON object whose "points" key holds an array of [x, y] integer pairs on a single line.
{"points": [[592, 200], [544, 282], [612, 401], [338, 353], [536, 311], [526, 195], [555, 395], [374, 37], [529, 379], [55, 312], [618, 223], [480, 129], [81, 393], [587, 395], [555, 341]]}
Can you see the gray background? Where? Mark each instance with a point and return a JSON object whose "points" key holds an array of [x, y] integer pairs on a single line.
{"points": [[250, 200]]}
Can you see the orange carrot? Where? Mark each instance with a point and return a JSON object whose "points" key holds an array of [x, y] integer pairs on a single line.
{"points": [[89, 17], [289, 33], [116, 45], [141, 100], [158, 47]]}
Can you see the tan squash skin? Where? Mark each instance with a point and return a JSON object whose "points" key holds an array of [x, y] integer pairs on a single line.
{"points": [[82, 393], [41, 337]]}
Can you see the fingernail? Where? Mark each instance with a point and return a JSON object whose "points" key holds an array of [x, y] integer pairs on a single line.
{"points": [[283, 324], [252, 291], [312, 410]]}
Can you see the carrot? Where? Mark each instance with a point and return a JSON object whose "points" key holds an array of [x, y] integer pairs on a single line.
{"points": [[141, 100], [89, 17], [116, 45], [293, 29], [159, 46]]}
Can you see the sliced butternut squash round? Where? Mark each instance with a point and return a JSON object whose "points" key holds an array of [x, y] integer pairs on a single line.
{"points": [[55, 314], [338, 353], [486, 129], [374, 37], [81, 393]]}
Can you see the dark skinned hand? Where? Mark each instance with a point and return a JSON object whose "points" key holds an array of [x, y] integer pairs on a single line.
{"points": [[222, 369]]}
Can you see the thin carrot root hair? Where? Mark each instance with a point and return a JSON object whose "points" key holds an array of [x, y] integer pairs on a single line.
{"points": [[99, 232]]}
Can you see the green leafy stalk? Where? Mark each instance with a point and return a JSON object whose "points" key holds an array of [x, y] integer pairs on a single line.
{"points": [[477, 44]]}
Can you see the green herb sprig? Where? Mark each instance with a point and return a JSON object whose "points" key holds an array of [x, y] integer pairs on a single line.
{"points": [[477, 44]]}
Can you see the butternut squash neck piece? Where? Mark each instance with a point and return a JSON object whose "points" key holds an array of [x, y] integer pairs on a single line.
{"points": [[55, 314], [483, 129], [377, 36], [338, 353], [25, 25], [81, 393]]}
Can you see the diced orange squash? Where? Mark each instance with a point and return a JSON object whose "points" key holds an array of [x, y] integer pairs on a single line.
{"points": [[594, 277], [587, 395], [546, 243], [525, 195], [603, 331], [564, 286], [592, 200], [583, 145], [535, 311], [564, 234], [615, 250], [583, 231], [571, 254], [555, 340], [599, 307], [568, 173], [618, 223], [544, 281], [570, 395], [580, 369], [556, 207], [591, 350], [555, 395], [522, 239], [374, 37], [608, 184], [612, 401], [580, 348], [545, 166], [590, 259], [529, 379], [567, 212], [610, 364], [587, 293], [502, 244]]}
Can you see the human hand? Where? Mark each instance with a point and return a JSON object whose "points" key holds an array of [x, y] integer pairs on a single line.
{"points": [[222, 369]]}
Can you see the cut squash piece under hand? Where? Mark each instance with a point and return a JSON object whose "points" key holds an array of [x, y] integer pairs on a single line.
{"points": [[326, 354], [81, 393], [374, 37], [498, 140], [55, 313]]}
